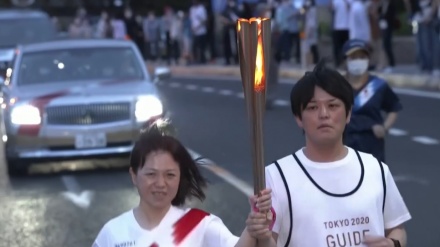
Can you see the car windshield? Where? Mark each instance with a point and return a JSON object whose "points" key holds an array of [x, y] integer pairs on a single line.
{"points": [[79, 64], [24, 31]]}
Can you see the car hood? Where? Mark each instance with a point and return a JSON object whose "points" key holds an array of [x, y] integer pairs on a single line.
{"points": [[86, 90]]}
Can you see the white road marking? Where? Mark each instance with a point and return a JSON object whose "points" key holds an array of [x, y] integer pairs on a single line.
{"points": [[397, 132], [226, 92], [403, 91], [425, 140], [234, 181], [280, 102], [175, 84], [407, 178], [208, 89], [74, 194], [240, 95], [191, 87], [417, 93]]}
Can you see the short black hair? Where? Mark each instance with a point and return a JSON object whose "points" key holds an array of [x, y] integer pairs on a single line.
{"points": [[155, 139], [329, 80]]}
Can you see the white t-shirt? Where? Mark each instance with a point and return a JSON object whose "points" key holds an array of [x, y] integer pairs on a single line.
{"points": [[311, 27], [359, 22], [119, 30], [321, 218], [198, 15], [208, 231], [341, 10]]}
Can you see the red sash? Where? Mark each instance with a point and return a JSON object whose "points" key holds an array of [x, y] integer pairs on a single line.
{"points": [[186, 224]]}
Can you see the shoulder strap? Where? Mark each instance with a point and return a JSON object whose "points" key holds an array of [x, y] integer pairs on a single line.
{"points": [[384, 185], [289, 200]]}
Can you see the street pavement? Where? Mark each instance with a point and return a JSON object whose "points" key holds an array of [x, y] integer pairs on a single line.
{"points": [[66, 204]]}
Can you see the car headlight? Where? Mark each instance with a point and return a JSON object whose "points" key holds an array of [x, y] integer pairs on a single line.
{"points": [[148, 107], [25, 115]]}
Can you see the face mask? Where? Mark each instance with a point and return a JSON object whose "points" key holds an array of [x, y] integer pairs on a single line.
{"points": [[357, 66]]}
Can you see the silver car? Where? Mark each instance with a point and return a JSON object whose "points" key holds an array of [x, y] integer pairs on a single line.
{"points": [[75, 98]]}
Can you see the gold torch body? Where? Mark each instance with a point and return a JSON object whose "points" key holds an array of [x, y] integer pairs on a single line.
{"points": [[254, 37]]}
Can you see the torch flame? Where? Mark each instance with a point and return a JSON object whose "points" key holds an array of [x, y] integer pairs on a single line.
{"points": [[259, 62], [260, 75]]}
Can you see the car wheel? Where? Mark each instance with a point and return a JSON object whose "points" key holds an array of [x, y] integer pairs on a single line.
{"points": [[16, 168]]}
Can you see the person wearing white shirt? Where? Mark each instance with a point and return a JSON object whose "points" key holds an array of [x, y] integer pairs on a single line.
{"points": [[199, 19], [359, 22], [327, 194], [119, 28], [165, 176]]}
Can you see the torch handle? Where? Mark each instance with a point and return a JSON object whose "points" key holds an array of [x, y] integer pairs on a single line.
{"points": [[256, 121]]}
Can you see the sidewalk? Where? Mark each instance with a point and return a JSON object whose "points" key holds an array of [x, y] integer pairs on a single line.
{"points": [[407, 76]]}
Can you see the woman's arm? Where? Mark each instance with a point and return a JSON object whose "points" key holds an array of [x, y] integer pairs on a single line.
{"points": [[246, 240], [257, 232], [390, 120]]}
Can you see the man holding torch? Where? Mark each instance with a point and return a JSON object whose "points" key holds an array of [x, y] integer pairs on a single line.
{"points": [[327, 194]]}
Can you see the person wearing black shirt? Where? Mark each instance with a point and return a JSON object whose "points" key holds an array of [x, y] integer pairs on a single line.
{"points": [[229, 19], [367, 128], [135, 30], [387, 23]]}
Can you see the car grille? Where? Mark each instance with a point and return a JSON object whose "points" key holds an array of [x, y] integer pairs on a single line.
{"points": [[88, 114]]}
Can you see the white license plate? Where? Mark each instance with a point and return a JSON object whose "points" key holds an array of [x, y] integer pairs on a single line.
{"points": [[91, 140]]}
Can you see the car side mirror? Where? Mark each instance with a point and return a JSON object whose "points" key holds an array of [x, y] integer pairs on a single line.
{"points": [[161, 73]]}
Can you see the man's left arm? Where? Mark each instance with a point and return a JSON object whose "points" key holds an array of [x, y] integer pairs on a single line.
{"points": [[396, 214]]}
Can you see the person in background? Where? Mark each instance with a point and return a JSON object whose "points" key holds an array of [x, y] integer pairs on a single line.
{"points": [[359, 21], [134, 29], [367, 129], [377, 55], [151, 27], [118, 26], [287, 19], [187, 39], [139, 39], [311, 30], [340, 34], [173, 35], [229, 19], [199, 20], [104, 28], [80, 29], [387, 23]]}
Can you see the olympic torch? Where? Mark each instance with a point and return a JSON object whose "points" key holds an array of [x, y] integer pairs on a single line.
{"points": [[254, 37]]}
